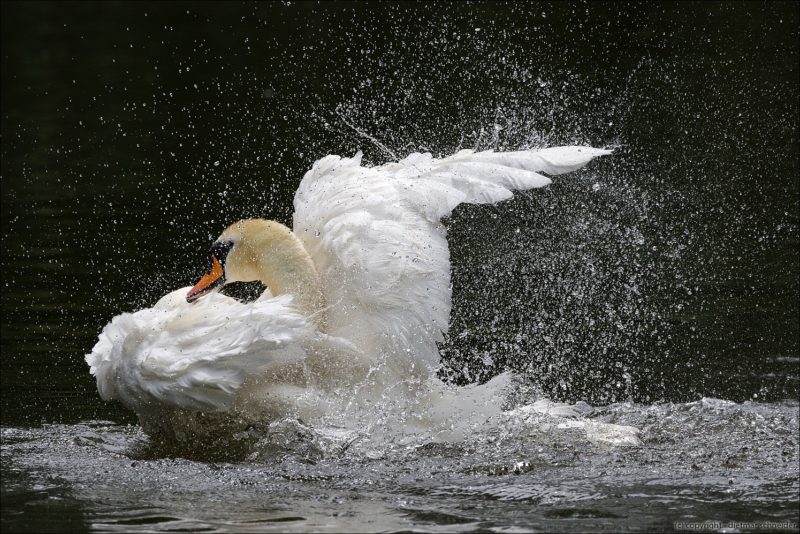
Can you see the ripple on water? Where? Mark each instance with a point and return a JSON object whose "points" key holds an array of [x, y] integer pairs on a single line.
{"points": [[526, 470]]}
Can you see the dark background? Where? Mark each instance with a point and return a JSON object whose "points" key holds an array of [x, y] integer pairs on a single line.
{"points": [[133, 133]]}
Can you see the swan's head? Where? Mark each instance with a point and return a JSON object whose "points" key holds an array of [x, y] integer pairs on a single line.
{"points": [[249, 250], [234, 256]]}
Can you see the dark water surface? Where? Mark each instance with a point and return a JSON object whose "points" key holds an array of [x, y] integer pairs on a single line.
{"points": [[650, 285]]}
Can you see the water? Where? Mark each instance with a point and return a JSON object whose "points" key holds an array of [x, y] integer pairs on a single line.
{"points": [[708, 460], [649, 285]]}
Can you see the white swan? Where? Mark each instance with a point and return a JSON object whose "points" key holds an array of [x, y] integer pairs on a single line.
{"points": [[359, 295]]}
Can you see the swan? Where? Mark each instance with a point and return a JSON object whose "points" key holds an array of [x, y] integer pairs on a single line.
{"points": [[358, 296]]}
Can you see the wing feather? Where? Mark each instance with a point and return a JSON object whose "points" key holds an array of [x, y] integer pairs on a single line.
{"points": [[374, 234], [193, 356]]}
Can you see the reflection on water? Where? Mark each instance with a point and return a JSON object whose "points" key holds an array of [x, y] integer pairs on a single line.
{"points": [[132, 133]]}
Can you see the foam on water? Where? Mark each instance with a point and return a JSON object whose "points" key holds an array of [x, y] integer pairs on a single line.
{"points": [[536, 466]]}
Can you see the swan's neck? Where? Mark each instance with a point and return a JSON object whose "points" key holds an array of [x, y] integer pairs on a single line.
{"points": [[276, 257]]}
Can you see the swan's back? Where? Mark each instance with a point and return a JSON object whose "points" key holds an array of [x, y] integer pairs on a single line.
{"points": [[194, 356]]}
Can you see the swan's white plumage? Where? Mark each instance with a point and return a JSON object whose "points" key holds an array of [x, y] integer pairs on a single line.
{"points": [[375, 238], [193, 356]]}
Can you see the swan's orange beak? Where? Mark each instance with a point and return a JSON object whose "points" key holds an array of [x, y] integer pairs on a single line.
{"points": [[210, 281]]}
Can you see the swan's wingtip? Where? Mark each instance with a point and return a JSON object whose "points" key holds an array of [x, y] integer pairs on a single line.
{"points": [[601, 151]]}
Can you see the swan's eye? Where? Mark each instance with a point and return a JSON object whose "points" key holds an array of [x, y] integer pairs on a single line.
{"points": [[220, 250]]}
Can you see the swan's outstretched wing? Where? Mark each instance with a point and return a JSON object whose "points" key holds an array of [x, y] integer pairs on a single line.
{"points": [[375, 236], [193, 356]]}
